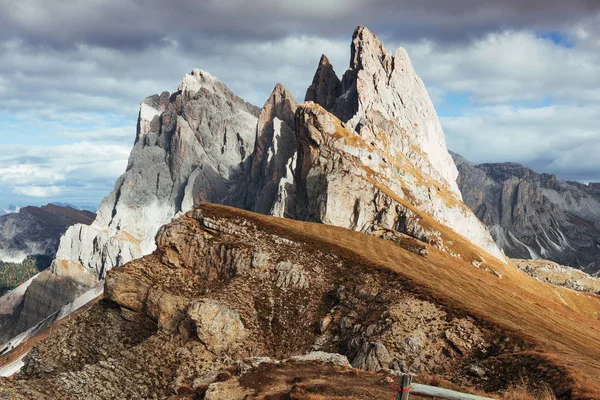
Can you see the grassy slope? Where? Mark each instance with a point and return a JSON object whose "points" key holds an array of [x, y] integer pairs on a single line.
{"points": [[558, 324]]}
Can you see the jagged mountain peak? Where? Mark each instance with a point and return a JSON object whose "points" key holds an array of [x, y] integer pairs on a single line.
{"points": [[271, 161], [196, 79], [281, 102], [324, 61], [326, 87], [366, 47], [382, 98], [368, 53]]}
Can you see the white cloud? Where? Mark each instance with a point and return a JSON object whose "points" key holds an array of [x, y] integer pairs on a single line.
{"points": [[26, 174], [85, 170], [37, 191], [91, 79], [510, 66], [125, 134], [560, 139]]}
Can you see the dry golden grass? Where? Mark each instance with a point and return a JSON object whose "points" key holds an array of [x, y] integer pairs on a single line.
{"points": [[557, 328], [523, 393]]}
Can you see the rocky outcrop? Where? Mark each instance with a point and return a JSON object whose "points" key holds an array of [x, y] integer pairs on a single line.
{"points": [[342, 180], [46, 294], [210, 300], [533, 215], [559, 275], [37, 230], [218, 327]]}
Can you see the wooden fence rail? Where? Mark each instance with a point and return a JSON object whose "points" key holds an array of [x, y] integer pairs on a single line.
{"points": [[406, 387]]}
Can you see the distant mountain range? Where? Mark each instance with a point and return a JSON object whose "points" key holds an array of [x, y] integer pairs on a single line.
{"points": [[77, 207], [13, 209], [532, 215], [37, 230]]}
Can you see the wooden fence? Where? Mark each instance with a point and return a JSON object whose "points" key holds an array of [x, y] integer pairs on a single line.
{"points": [[406, 387]]}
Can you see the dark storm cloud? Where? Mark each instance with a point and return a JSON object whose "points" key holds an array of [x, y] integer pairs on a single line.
{"points": [[136, 24]]}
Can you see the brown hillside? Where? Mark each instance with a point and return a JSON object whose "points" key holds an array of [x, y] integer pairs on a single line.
{"points": [[226, 286], [557, 325]]}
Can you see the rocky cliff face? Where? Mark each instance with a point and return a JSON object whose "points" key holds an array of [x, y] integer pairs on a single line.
{"points": [[45, 295], [37, 230], [383, 99], [189, 144], [227, 291], [267, 187], [371, 158], [533, 215]]}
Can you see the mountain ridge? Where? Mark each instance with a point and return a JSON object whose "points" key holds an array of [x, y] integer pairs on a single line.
{"points": [[37, 230], [384, 171], [532, 215], [228, 284]]}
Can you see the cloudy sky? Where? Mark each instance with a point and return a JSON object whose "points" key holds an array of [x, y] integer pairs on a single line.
{"points": [[512, 80]]}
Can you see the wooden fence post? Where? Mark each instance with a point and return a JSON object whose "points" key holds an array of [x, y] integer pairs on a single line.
{"points": [[404, 388]]}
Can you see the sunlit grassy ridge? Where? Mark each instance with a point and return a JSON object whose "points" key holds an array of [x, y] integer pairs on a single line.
{"points": [[554, 329]]}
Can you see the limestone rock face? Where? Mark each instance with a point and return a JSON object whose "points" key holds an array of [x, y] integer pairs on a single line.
{"points": [[343, 180], [269, 184], [217, 326], [326, 87], [188, 146], [533, 215], [372, 357], [385, 101], [321, 356]]}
